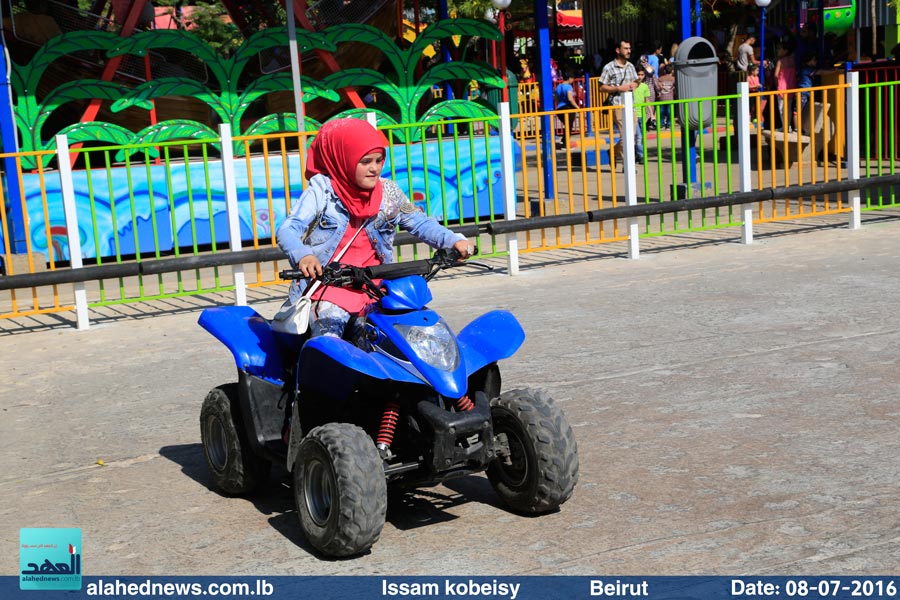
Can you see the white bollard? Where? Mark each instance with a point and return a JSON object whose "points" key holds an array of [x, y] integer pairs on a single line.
{"points": [[231, 206], [743, 131], [853, 148], [628, 147], [73, 234], [508, 173]]}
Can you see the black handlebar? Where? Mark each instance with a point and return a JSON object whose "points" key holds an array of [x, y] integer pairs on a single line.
{"points": [[358, 277]]}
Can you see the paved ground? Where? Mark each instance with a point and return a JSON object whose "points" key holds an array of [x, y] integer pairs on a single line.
{"points": [[735, 409]]}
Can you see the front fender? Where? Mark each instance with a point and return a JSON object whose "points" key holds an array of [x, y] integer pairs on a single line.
{"points": [[344, 355], [491, 337]]}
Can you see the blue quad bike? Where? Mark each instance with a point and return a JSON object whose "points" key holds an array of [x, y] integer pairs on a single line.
{"points": [[409, 403]]}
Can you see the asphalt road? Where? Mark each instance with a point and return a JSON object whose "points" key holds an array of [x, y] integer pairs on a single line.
{"points": [[736, 412]]}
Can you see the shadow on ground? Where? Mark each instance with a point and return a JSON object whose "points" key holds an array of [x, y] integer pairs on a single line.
{"points": [[407, 508]]}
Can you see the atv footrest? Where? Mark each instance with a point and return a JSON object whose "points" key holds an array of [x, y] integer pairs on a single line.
{"points": [[460, 438]]}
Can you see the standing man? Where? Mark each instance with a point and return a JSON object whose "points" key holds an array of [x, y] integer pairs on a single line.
{"points": [[745, 56], [619, 76]]}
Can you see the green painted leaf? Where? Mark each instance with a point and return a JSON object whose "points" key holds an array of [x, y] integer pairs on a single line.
{"points": [[315, 89], [83, 90], [281, 123], [167, 131], [275, 123], [363, 78], [447, 28], [367, 34], [274, 37], [178, 39], [30, 162], [283, 82], [165, 86], [17, 80], [73, 91], [457, 109], [482, 72], [95, 131], [70, 42], [30, 136], [67, 43]]}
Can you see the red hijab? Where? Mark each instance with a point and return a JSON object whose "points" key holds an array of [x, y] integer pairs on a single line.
{"points": [[336, 151]]}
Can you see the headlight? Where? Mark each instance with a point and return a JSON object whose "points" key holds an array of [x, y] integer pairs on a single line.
{"points": [[434, 344]]}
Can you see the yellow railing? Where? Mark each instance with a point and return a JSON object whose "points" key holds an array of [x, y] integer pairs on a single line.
{"points": [[35, 300], [797, 138]]}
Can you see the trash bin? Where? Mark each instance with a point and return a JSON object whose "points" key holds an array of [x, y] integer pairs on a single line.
{"points": [[696, 76]]}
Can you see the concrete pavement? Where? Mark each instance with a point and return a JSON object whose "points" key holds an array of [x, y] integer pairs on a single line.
{"points": [[736, 412]]}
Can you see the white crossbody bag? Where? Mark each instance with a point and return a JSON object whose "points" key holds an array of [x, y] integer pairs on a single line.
{"points": [[293, 317]]}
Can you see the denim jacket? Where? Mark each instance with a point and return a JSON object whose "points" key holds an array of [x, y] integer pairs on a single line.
{"points": [[318, 221]]}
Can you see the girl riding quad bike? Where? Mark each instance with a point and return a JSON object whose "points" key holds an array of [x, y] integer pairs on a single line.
{"points": [[395, 397]]}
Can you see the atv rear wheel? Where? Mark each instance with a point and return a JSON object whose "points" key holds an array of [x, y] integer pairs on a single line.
{"points": [[340, 489], [541, 470], [235, 469]]}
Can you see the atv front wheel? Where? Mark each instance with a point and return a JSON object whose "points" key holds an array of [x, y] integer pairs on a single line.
{"points": [[340, 489], [541, 469], [235, 469]]}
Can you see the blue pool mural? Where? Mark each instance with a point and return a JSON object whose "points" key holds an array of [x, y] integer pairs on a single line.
{"points": [[151, 208]]}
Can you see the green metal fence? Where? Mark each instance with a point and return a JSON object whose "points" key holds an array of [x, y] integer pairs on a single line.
{"points": [[880, 150]]}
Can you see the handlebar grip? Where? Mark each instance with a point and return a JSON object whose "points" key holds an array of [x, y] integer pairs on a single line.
{"points": [[396, 270], [291, 274], [452, 255]]}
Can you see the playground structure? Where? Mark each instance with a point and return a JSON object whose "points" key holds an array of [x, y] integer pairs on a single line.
{"points": [[838, 16]]}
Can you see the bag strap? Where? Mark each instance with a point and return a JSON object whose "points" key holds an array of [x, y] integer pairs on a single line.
{"points": [[337, 257]]}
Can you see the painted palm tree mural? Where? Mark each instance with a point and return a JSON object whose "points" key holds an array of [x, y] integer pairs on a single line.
{"points": [[120, 207], [227, 101]]}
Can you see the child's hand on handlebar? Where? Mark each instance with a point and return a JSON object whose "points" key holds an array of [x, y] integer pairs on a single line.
{"points": [[462, 246], [310, 266]]}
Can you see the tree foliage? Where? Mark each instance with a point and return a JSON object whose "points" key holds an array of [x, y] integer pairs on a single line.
{"points": [[473, 9], [209, 22]]}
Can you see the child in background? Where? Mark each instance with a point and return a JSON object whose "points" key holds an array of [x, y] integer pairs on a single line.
{"points": [[650, 77], [666, 93], [754, 84], [565, 100], [804, 81], [805, 77], [641, 96], [753, 78], [785, 79]]}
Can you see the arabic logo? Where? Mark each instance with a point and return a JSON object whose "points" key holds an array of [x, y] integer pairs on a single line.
{"points": [[49, 560]]}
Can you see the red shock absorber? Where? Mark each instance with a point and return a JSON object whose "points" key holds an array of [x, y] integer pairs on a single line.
{"points": [[464, 404], [388, 425]]}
